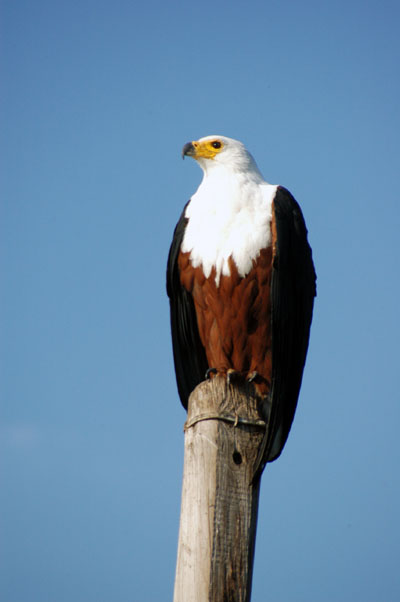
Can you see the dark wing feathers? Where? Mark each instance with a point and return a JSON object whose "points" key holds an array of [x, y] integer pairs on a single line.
{"points": [[189, 354], [293, 290]]}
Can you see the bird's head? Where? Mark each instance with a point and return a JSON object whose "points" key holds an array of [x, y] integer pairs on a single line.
{"points": [[219, 151]]}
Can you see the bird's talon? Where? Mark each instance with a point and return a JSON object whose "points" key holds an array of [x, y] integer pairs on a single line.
{"points": [[252, 376], [209, 372], [230, 375]]}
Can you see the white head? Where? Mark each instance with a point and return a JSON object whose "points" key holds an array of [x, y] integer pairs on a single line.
{"points": [[219, 151], [229, 215]]}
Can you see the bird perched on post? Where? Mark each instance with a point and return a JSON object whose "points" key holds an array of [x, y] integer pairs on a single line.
{"points": [[241, 284]]}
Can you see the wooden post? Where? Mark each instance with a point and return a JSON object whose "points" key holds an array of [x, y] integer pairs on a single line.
{"points": [[223, 433]]}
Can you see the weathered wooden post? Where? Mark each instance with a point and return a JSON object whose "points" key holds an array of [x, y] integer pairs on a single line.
{"points": [[223, 433]]}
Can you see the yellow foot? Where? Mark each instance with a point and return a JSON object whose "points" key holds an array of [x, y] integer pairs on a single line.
{"points": [[232, 375]]}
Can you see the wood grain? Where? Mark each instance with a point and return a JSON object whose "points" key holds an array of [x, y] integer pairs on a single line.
{"points": [[219, 503]]}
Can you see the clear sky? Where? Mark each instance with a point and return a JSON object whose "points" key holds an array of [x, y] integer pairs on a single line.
{"points": [[98, 99]]}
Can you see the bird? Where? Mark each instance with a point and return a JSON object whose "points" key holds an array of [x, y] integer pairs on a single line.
{"points": [[241, 285]]}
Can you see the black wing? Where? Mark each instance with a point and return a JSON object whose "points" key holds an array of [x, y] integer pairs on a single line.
{"points": [[189, 354], [292, 295]]}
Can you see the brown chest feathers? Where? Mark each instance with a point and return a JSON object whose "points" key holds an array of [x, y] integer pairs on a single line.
{"points": [[234, 318]]}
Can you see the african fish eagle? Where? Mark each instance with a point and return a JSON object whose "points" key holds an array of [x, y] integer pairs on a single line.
{"points": [[241, 284]]}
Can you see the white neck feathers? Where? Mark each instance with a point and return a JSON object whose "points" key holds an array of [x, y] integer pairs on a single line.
{"points": [[228, 216]]}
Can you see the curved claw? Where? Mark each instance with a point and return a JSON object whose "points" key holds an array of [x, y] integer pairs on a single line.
{"points": [[209, 372], [252, 377]]}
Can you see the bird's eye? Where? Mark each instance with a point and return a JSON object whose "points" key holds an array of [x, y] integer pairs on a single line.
{"points": [[216, 144]]}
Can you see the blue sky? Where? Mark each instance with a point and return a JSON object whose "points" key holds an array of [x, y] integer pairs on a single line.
{"points": [[98, 100]]}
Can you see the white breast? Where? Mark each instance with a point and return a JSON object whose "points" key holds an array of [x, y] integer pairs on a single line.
{"points": [[228, 216]]}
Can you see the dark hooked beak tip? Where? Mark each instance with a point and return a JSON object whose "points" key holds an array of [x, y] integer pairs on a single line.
{"points": [[188, 150]]}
